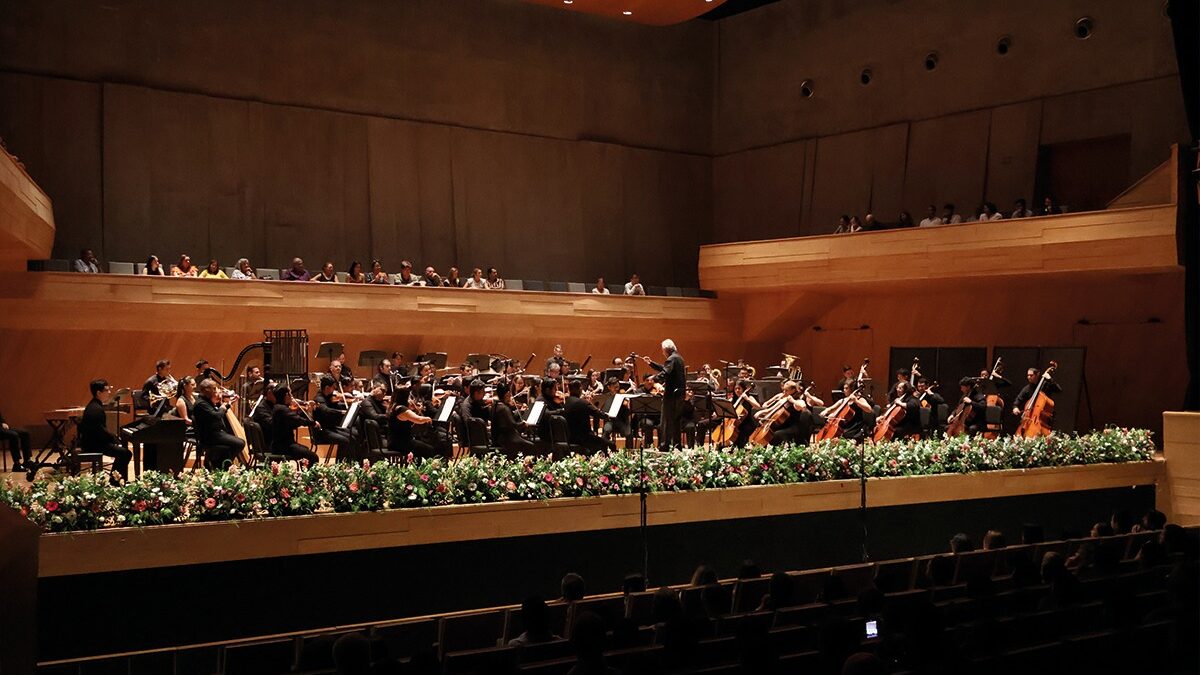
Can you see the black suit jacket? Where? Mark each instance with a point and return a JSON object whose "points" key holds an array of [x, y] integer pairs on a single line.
{"points": [[208, 421], [93, 428], [672, 374], [579, 413]]}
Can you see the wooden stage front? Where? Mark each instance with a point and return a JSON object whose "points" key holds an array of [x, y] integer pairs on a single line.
{"points": [[375, 566]]}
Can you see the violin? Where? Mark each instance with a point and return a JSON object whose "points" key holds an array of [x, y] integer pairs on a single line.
{"points": [[1039, 409]]}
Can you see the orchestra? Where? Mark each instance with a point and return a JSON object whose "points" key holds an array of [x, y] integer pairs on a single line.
{"points": [[415, 408]]}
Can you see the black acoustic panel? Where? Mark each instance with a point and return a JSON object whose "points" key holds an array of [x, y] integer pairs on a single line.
{"points": [[944, 365], [902, 358], [1069, 376]]}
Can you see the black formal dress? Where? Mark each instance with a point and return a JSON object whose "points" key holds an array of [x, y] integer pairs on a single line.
{"points": [[672, 374], [18, 444], [506, 430], [579, 414], [213, 437], [94, 436], [797, 429], [911, 424], [400, 435]]}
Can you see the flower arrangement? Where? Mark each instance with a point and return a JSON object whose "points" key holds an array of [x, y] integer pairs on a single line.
{"points": [[87, 502]]}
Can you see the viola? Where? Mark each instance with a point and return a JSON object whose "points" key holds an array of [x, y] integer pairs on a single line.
{"points": [[1039, 409]]}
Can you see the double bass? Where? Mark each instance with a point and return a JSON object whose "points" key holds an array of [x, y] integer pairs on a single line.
{"points": [[838, 415], [956, 425], [727, 432], [885, 426], [1039, 409]]}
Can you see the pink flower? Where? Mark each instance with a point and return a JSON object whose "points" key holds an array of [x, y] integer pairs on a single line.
{"points": [[354, 487], [604, 480], [210, 503], [275, 468], [139, 505], [549, 478], [425, 477], [285, 493], [579, 481], [892, 463], [52, 506], [510, 486], [409, 459]]}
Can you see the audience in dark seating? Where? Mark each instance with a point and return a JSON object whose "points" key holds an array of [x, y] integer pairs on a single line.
{"points": [[572, 587], [535, 617], [961, 543], [352, 654]]}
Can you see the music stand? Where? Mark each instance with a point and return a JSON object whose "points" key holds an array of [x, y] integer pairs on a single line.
{"points": [[438, 359], [723, 409], [480, 362], [371, 358], [330, 350]]}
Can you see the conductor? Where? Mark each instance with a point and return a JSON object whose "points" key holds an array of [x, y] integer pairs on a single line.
{"points": [[672, 375]]}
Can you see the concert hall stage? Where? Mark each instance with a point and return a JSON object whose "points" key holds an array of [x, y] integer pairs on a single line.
{"points": [[232, 579]]}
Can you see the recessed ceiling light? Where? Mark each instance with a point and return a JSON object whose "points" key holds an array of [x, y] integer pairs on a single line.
{"points": [[627, 13], [568, 2]]}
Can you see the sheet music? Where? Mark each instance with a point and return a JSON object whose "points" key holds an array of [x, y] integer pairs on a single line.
{"points": [[535, 412], [447, 408], [348, 420], [260, 398], [615, 408]]}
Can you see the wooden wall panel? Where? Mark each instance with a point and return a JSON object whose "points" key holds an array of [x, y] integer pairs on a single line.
{"points": [[1012, 154], [760, 190], [667, 208], [946, 161], [888, 156], [53, 127], [841, 180]]}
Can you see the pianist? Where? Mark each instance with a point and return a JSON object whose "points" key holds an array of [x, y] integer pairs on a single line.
{"points": [[94, 436]]}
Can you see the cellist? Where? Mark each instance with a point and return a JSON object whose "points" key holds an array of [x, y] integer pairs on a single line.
{"points": [[1031, 381], [745, 423], [797, 429], [928, 398], [976, 400], [855, 428]]}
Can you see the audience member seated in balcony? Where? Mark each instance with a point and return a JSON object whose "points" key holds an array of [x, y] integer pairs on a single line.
{"points": [[184, 268], [703, 576], [213, 271], [153, 267], [1064, 586], [781, 592], [1019, 210], [243, 271], [905, 221], [1122, 522], [493, 281], [476, 281], [86, 262], [749, 570], [297, 272], [672, 630], [1050, 207], [633, 583], [600, 288], [634, 286], [988, 212], [431, 277], [1152, 521], [406, 277], [961, 543], [453, 280], [993, 540], [378, 274], [572, 587], [870, 224], [931, 217], [352, 654], [355, 274], [949, 217], [326, 275], [535, 617]]}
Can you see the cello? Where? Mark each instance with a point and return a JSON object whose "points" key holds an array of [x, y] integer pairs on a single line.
{"points": [[838, 415], [773, 414], [1039, 409], [885, 426], [727, 432], [956, 424]]}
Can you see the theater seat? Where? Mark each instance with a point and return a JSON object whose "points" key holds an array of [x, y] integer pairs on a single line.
{"points": [[514, 285], [556, 286], [534, 285], [470, 631], [121, 268]]}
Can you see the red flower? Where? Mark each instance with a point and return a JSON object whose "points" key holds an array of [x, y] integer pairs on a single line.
{"points": [[304, 463], [892, 463], [409, 459], [139, 505], [441, 487], [285, 493], [604, 480], [354, 487], [52, 506], [239, 498], [210, 503]]}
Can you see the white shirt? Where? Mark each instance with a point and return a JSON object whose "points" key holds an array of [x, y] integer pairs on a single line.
{"points": [[600, 291], [238, 274], [634, 289], [497, 285], [472, 283], [87, 267], [931, 222], [954, 220], [1018, 213], [995, 216]]}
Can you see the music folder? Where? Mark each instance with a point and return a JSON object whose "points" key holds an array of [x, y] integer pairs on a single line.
{"points": [[447, 408], [535, 412], [614, 408]]}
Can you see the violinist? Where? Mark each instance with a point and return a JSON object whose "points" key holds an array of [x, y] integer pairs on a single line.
{"points": [[405, 413], [557, 357], [552, 401], [595, 387], [1050, 388], [473, 408], [745, 423], [976, 402], [329, 413], [689, 419], [384, 378], [263, 413], [619, 425], [579, 414], [374, 407], [288, 415], [519, 389], [553, 371], [341, 380], [506, 426], [860, 405]]}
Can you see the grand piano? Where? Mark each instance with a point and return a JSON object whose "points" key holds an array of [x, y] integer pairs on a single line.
{"points": [[167, 433]]}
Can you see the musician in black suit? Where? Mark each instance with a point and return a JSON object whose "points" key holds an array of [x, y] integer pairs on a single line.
{"points": [[927, 398], [284, 423], [94, 435], [579, 414], [672, 375], [162, 373], [550, 407], [506, 426], [619, 425], [329, 414], [263, 415], [383, 377], [1031, 382], [213, 437], [18, 445], [472, 409], [976, 401]]}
